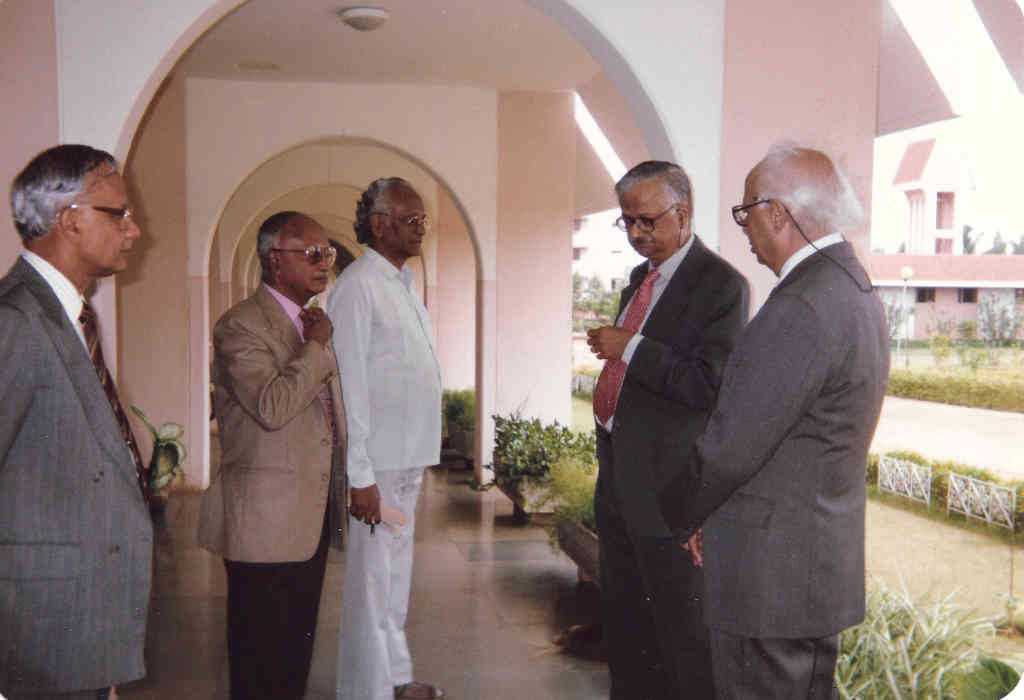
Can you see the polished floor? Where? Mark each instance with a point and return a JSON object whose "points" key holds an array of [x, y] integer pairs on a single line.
{"points": [[489, 595]]}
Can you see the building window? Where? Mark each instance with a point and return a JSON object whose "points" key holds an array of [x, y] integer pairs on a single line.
{"points": [[925, 295], [577, 253], [967, 295], [944, 210], [1018, 296], [943, 246]]}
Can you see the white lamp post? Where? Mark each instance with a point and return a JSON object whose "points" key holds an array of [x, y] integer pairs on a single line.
{"points": [[906, 272]]}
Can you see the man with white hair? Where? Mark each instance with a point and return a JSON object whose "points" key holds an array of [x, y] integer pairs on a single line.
{"points": [[781, 463]]}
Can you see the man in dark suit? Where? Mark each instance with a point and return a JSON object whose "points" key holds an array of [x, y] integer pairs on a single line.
{"points": [[278, 499], [677, 322], [781, 464], [75, 533]]}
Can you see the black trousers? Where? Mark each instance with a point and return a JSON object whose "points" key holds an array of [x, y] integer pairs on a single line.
{"points": [[652, 608], [101, 694], [774, 669], [272, 610]]}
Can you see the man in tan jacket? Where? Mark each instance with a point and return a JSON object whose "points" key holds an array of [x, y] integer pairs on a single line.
{"points": [[278, 498]]}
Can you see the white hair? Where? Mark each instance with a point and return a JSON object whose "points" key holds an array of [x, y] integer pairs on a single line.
{"points": [[827, 202]]}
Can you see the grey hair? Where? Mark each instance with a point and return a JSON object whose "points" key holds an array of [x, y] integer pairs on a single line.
{"points": [[369, 202], [52, 181], [266, 238], [827, 202], [669, 173]]}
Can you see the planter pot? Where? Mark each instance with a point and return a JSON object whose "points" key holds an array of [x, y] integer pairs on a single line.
{"points": [[580, 545], [527, 498]]}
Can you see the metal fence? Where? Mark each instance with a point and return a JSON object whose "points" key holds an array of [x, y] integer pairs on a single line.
{"points": [[583, 384], [982, 500], [905, 478]]}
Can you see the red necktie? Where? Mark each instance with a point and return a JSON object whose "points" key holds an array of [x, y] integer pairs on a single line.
{"points": [[606, 395], [92, 341]]}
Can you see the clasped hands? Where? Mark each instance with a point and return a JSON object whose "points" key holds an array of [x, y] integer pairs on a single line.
{"points": [[608, 342], [695, 546], [315, 325]]}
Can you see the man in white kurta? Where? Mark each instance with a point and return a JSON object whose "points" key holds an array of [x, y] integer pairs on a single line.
{"points": [[392, 388]]}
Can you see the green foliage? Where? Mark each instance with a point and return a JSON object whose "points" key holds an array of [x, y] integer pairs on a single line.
{"points": [[908, 650], [168, 453], [999, 323], [571, 487], [968, 330], [525, 449], [940, 480], [991, 679], [941, 346], [592, 304], [459, 408], [998, 391]]}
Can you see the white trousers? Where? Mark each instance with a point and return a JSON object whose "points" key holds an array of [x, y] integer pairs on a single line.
{"points": [[373, 655]]}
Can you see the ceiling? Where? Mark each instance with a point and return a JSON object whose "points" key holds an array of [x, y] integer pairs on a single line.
{"points": [[503, 44]]}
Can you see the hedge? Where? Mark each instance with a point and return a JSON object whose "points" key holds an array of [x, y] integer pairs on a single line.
{"points": [[1001, 392]]}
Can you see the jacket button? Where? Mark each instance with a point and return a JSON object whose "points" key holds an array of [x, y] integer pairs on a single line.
{"points": [[96, 478], [115, 549], [325, 442], [324, 477]]}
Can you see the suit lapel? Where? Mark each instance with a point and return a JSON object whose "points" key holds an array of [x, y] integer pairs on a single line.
{"points": [[80, 370], [280, 326], [679, 290]]}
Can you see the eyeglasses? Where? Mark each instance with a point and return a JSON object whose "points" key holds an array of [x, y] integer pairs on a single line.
{"points": [[644, 223], [125, 214], [314, 253], [740, 213], [413, 221]]}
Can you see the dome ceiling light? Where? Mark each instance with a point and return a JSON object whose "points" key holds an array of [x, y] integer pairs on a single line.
{"points": [[365, 19]]}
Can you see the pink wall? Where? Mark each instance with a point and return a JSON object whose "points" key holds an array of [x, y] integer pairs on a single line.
{"points": [[536, 168], [803, 71], [28, 74], [456, 297], [152, 302], [945, 310]]}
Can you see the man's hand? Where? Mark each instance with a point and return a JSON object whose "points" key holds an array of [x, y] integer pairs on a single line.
{"points": [[608, 342], [365, 504], [695, 546], [315, 325]]}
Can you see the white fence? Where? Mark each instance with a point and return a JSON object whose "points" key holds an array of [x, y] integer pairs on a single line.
{"points": [[905, 478]]}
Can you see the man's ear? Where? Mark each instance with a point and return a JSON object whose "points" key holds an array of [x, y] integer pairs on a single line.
{"points": [[779, 216], [66, 225], [377, 223]]}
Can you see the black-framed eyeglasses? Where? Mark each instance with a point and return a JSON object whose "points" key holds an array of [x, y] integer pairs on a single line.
{"points": [[314, 253], [741, 213], [644, 223], [413, 221], [125, 214]]}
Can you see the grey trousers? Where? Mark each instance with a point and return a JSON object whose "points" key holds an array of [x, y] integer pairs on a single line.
{"points": [[773, 669]]}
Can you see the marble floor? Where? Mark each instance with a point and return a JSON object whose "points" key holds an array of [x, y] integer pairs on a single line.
{"points": [[489, 594]]}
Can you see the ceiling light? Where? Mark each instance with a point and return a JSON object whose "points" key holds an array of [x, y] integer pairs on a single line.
{"points": [[364, 19]]}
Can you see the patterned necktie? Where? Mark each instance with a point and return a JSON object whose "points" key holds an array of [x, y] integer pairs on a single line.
{"points": [[92, 341], [606, 395]]}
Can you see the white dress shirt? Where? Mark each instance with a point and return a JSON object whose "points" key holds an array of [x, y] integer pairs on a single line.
{"points": [[806, 252], [666, 271], [389, 373], [67, 294]]}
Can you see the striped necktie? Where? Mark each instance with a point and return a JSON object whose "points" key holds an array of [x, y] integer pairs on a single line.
{"points": [[92, 341], [606, 395]]}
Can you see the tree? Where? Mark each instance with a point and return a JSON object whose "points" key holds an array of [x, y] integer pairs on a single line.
{"points": [[896, 315], [999, 322], [998, 245], [970, 237], [1017, 246]]}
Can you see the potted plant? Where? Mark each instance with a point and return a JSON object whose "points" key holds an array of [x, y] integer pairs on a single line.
{"points": [[459, 408], [571, 488], [523, 453], [165, 465]]}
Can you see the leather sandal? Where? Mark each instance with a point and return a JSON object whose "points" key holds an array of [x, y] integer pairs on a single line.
{"points": [[431, 692]]}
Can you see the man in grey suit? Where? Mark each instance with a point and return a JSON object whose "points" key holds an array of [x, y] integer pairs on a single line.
{"points": [[75, 533], [677, 321], [782, 462]]}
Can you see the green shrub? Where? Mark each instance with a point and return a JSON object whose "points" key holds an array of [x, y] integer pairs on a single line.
{"points": [[525, 449], [459, 408], [941, 347], [998, 391], [908, 650], [571, 487], [990, 680]]}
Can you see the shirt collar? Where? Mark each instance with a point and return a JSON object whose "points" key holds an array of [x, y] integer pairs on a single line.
{"points": [[67, 294], [806, 252], [403, 275], [290, 307], [669, 266]]}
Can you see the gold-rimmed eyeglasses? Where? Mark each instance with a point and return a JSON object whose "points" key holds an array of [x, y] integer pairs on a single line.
{"points": [[412, 221], [125, 214], [314, 253]]}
